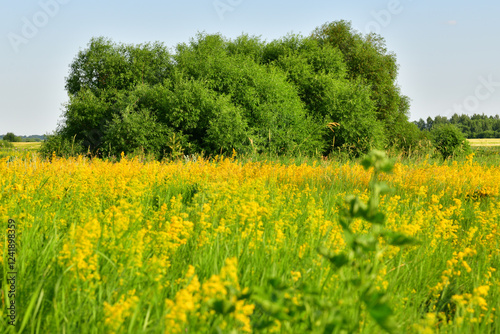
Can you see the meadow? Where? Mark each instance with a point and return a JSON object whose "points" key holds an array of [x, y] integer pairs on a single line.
{"points": [[484, 142], [231, 245], [27, 145]]}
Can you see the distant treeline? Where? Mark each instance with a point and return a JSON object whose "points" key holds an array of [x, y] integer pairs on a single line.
{"points": [[13, 138], [475, 126]]}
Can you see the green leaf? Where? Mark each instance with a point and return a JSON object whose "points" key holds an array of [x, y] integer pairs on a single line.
{"points": [[277, 284], [367, 242], [378, 160], [357, 208], [382, 313], [273, 309], [223, 306], [325, 252], [337, 321], [378, 218], [344, 223], [27, 314], [387, 167], [400, 239], [366, 163], [355, 282], [338, 260], [382, 188], [379, 309], [262, 324]]}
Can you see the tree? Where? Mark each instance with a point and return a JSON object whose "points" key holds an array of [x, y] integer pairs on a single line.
{"points": [[368, 60], [100, 83], [421, 124], [214, 98], [277, 120], [319, 73], [439, 120], [106, 65], [430, 123], [10, 137], [449, 141]]}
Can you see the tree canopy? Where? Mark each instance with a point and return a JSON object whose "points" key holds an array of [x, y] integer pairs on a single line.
{"points": [[215, 94], [11, 137]]}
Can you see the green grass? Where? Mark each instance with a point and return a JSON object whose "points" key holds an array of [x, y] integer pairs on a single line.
{"points": [[271, 211]]}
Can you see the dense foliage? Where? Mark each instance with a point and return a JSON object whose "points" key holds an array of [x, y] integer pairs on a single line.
{"points": [[333, 90], [449, 141], [368, 60], [475, 126], [11, 137], [6, 144]]}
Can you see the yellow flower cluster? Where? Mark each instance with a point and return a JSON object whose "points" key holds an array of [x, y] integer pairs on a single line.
{"points": [[79, 252], [194, 297], [454, 267], [115, 314], [426, 325]]}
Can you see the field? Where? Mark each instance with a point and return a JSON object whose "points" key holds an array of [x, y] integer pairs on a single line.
{"points": [[21, 149], [229, 246], [485, 142], [27, 145]]}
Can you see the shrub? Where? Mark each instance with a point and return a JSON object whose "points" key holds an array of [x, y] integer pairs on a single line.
{"points": [[10, 137], [105, 65], [408, 140], [86, 115], [449, 141], [210, 121], [6, 144], [368, 60], [132, 131], [60, 146]]}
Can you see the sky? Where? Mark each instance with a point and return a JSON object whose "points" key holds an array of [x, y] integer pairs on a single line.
{"points": [[447, 51]]}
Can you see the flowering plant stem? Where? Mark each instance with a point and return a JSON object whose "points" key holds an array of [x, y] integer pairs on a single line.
{"points": [[358, 264]]}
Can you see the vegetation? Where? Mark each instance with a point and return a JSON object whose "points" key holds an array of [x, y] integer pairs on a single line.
{"points": [[332, 91], [360, 260], [14, 149], [10, 137], [16, 139], [475, 126], [367, 60], [183, 193], [33, 138], [6, 144], [227, 245], [484, 142], [449, 141], [60, 146]]}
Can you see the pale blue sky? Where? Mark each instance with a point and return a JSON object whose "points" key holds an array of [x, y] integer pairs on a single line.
{"points": [[448, 51]]}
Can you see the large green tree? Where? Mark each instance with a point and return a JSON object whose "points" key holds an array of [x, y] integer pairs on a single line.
{"points": [[11, 137], [368, 59], [277, 119], [331, 97], [99, 85], [105, 65]]}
